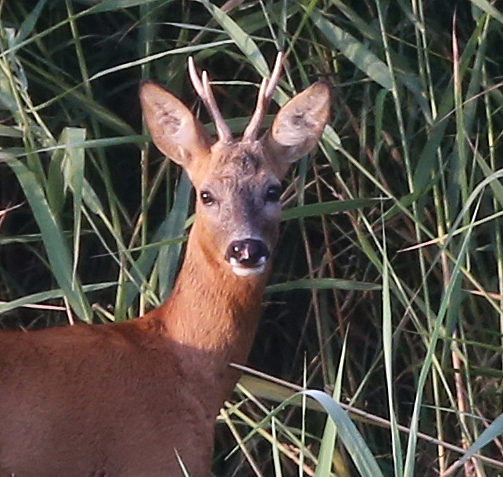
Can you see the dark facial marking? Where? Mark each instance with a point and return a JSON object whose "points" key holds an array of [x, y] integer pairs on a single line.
{"points": [[250, 164]]}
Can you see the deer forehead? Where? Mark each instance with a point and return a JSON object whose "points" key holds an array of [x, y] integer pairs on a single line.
{"points": [[235, 164]]}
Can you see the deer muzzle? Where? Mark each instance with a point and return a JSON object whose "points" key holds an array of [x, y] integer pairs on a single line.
{"points": [[247, 257]]}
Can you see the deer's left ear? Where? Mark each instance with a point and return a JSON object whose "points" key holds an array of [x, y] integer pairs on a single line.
{"points": [[299, 124]]}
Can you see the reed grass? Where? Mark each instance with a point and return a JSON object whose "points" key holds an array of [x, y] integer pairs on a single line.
{"points": [[388, 286]]}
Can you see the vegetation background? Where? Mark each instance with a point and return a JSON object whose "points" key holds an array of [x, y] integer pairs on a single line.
{"points": [[388, 283]]}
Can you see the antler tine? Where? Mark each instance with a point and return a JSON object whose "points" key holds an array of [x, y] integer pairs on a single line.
{"points": [[276, 73], [265, 94], [203, 89]]}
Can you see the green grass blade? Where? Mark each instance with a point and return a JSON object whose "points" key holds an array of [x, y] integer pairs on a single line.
{"points": [[240, 38], [387, 337], [354, 50], [487, 7], [322, 284], [29, 23], [73, 172], [327, 208], [52, 237], [169, 256], [493, 431], [36, 298], [328, 439], [352, 439]]}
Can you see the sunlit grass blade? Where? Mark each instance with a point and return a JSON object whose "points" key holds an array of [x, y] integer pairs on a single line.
{"points": [[38, 298], [322, 283], [328, 450], [350, 436], [388, 351], [73, 172]]}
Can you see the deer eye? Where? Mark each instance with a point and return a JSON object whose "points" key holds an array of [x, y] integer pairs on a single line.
{"points": [[273, 193], [206, 197]]}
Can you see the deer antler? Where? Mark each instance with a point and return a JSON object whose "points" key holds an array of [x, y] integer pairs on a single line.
{"points": [[203, 89], [265, 95]]}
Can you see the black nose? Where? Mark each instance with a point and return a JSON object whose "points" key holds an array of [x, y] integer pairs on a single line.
{"points": [[247, 253]]}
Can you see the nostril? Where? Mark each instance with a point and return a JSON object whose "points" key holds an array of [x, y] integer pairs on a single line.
{"points": [[247, 253]]}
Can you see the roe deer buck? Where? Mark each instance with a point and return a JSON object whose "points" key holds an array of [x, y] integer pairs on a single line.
{"points": [[122, 399]]}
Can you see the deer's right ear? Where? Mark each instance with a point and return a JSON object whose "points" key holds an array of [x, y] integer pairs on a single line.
{"points": [[176, 132]]}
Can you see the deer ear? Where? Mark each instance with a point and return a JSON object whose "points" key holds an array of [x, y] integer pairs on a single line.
{"points": [[299, 124], [174, 129]]}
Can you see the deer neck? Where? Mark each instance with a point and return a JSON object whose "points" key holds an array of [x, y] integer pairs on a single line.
{"points": [[212, 314]]}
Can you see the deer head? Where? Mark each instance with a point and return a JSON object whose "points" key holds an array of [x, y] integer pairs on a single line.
{"points": [[237, 182]]}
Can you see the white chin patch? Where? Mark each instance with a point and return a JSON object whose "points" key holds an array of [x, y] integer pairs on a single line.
{"points": [[242, 271]]}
